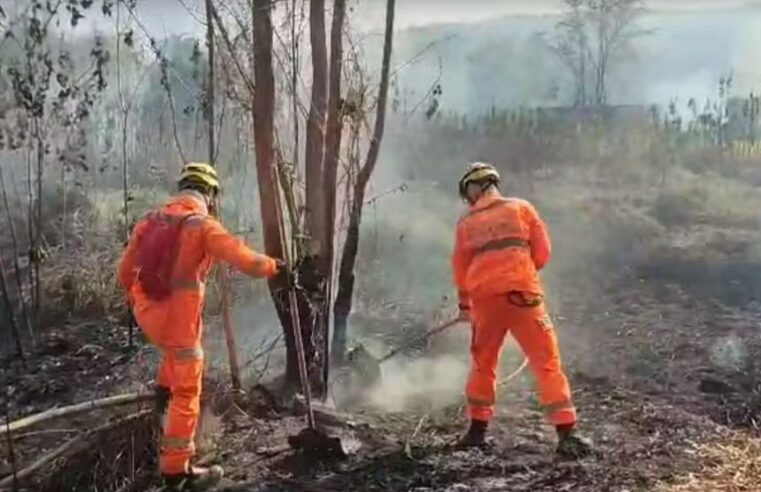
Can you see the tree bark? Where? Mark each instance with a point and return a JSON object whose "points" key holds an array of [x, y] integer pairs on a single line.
{"points": [[342, 306], [315, 131], [312, 266], [264, 107], [332, 150]]}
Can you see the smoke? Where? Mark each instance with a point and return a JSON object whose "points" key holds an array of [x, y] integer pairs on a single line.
{"points": [[729, 353], [425, 384], [434, 381], [258, 337]]}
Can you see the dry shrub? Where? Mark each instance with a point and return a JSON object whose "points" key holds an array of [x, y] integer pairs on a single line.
{"points": [[707, 199], [83, 283], [120, 456], [680, 207]]}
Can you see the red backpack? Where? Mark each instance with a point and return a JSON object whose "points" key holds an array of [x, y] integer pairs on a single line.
{"points": [[156, 253]]}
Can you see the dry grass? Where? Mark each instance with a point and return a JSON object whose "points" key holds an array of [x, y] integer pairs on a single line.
{"points": [[83, 282], [731, 466]]}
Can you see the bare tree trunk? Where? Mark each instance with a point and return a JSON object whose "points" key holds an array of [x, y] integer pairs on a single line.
{"points": [[583, 67], [313, 272], [264, 111], [31, 237], [342, 306], [332, 149], [315, 130], [36, 256], [222, 276], [601, 33], [294, 85], [64, 208], [124, 107], [9, 307], [16, 266], [210, 82]]}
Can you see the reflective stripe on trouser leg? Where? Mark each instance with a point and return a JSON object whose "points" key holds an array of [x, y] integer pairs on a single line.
{"points": [[561, 413], [177, 447], [488, 337], [532, 328]]}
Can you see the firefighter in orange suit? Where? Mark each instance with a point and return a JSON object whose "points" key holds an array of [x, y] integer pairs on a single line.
{"points": [[174, 323], [500, 247]]}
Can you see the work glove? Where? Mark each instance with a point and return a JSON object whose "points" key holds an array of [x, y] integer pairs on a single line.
{"points": [[464, 315], [285, 274]]}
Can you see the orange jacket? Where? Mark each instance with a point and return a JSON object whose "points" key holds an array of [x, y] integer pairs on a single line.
{"points": [[202, 240], [501, 245]]}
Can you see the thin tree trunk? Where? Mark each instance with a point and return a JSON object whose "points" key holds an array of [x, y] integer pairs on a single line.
{"points": [[13, 478], [600, 56], [38, 250], [9, 307], [294, 85], [16, 266], [222, 276], [342, 306], [264, 104], [332, 149], [313, 274], [583, 67], [263, 117], [64, 211], [125, 110], [315, 132], [210, 82], [124, 107]]}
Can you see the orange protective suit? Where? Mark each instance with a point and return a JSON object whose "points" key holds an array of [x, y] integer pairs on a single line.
{"points": [[501, 245], [174, 325]]}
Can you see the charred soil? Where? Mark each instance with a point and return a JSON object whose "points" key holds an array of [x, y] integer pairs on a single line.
{"points": [[667, 387]]}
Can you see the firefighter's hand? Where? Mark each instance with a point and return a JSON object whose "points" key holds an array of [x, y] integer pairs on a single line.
{"points": [[285, 274], [464, 315]]}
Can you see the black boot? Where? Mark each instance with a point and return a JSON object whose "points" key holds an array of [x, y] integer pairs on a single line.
{"points": [[196, 480], [571, 445], [163, 394], [476, 435]]}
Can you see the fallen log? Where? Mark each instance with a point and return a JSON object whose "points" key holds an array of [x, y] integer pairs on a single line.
{"points": [[79, 408], [62, 450]]}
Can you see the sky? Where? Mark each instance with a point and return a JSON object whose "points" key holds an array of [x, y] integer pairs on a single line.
{"points": [[179, 16], [420, 12], [680, 58]]}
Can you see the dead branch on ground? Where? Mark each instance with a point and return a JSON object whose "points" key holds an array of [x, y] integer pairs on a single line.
{"points": [[62, 450], [79, 408]]}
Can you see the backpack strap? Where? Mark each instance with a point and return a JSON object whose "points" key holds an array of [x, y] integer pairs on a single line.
{"points": [[176, 245]]}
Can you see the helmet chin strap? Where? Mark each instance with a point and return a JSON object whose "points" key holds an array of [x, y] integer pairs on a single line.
{"points": [[484, 189]]}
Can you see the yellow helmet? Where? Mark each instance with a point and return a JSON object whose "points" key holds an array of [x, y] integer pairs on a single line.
{"points": [[200, 172], [478, 171]]}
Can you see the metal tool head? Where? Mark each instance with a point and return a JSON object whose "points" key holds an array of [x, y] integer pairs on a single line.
{"points": [[319, 445]]}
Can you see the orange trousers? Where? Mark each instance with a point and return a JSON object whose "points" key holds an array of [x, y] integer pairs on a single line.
{"points": [[181, 370], [525, 316]]}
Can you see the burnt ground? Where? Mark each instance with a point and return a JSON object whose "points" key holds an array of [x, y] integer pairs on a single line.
{"points": [[667, 385]]}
